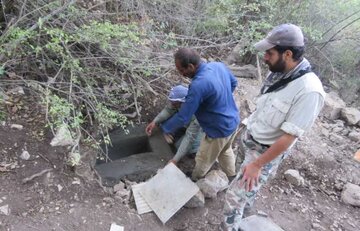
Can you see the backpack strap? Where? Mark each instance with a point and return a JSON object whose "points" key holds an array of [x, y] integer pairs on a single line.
{"points": [[283, 82]]}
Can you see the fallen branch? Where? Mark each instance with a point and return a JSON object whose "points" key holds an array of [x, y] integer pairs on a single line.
{"points": [[27, 179]]}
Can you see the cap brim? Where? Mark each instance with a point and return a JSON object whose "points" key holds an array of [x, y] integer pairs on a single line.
{"points": [[263, 45]]}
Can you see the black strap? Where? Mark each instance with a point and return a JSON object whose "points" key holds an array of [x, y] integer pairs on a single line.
{"points": [[283, 82]]}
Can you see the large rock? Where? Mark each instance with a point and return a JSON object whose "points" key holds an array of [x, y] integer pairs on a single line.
{"points": [[236, 56], [332, 106], [259, 223], [350, 115], [196, 201], [354, 136], [246, 71], [214, 182], [293, 176], [351, 194], [63, 137]]}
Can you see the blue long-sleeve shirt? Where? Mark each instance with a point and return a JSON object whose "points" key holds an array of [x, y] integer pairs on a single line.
{"points": [[210, 99]]}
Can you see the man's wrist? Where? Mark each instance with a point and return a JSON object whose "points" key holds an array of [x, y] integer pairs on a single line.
{"points": [[258, 163]]}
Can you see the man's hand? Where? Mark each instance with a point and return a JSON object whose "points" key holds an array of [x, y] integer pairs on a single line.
{"points": [[150, 127], [250, 178], [169, 138]]}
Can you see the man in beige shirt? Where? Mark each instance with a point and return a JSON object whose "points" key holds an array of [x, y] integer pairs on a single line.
{"points": [[290, 101]]}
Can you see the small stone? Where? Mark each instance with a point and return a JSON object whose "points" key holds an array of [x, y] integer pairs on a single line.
{"points": [[17, 126], [17, 91], [108, 200], [5, 210], [262, 213], [337, 129], [59, 187], [351, 115], [345, 132], [76, 181], [354, 136], [337, 139], [25, 155], [293, 176], [317, 226], [338, 186], [351, 194], [119, 186], [325, 132], [123, 195]]}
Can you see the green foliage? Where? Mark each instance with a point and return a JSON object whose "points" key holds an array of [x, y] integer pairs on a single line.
{"points": [[61, 111], [109, 118], [8, 41], [105, 32], [170, 41]]}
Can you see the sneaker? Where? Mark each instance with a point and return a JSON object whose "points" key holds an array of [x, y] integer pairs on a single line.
{"points": [[231, 178]]}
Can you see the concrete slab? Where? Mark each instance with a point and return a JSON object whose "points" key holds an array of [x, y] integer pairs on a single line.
{"points": [[134, 155], [141, 205], [259, 223], [168, 191]]}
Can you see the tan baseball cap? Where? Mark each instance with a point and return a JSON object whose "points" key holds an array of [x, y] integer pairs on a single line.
{"points": [[282, 35]]}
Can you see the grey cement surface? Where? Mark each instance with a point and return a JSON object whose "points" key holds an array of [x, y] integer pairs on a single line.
{"points": [[259, 223], [139, 166]]}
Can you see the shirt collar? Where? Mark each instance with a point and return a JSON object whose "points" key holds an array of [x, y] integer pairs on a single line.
{"points": [[201, 67]]}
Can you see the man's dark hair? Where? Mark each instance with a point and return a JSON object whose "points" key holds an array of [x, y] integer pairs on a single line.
{"points": [[298, 52], [187, 56]]}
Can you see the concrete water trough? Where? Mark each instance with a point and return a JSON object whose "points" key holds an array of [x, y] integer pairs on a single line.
{"points": [[134, 156]]}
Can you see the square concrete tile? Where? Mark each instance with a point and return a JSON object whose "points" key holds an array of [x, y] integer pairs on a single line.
{"points": [[168, 191], [141, 205]]}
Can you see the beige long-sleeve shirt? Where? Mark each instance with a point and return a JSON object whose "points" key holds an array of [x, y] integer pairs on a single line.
{"points": [[291, 110]]}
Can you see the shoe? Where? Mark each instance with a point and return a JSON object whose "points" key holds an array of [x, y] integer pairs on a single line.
{"points": [[247, 212], [192, 155], [231, 178], [188, 174]]}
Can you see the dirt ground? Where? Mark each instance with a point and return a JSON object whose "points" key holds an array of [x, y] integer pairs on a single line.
{"points": [[64, 200]]}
